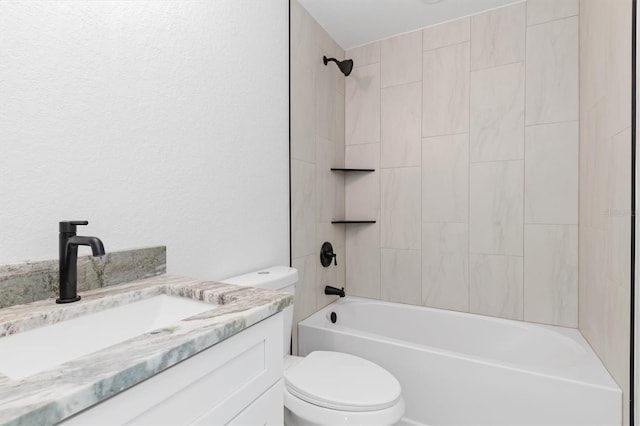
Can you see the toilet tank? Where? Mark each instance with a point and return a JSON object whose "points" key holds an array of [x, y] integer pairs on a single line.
{"points": [[278, 278]]}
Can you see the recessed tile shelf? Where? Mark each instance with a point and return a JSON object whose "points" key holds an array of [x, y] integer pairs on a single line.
{"points": [[353, 221], [351, 170]]}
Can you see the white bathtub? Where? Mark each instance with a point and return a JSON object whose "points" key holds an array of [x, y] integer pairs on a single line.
{"points": [[464, 369]]}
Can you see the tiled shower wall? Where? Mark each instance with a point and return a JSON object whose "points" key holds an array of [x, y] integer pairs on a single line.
{"points": [[472, 127], [605, 183], [317, 144]]}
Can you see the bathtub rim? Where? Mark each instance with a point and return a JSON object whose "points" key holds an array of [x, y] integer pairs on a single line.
{"points": [[590, 371]]}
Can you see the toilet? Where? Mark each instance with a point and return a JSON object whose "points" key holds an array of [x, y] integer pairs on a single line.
{"points": [[328, 388]]}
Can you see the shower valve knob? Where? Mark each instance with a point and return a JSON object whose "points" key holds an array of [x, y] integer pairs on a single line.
{"points": [[327, 255]]}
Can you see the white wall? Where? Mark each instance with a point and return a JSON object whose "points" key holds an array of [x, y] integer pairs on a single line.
{"points": [[159, 122]]}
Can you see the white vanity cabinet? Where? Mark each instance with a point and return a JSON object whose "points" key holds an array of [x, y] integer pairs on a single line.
{"points": [[237, 382]]}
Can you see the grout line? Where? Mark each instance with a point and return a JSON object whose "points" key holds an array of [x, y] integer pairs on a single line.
{"points": [[468, 271], [537, 24]]}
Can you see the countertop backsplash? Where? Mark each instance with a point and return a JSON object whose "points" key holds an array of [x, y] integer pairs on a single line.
{"points": [[30, 281]]}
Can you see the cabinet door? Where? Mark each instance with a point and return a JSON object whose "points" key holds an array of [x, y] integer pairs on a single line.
{"points": [[266, 410]]}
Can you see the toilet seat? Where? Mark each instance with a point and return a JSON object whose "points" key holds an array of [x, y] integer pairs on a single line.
{"points": [[339, 381]]}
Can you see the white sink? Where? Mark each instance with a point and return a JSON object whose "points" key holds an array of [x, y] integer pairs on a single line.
{"points": [[30, 352]]}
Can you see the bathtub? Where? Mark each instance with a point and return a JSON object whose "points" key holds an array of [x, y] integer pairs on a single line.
{"points": [[464, 369]]}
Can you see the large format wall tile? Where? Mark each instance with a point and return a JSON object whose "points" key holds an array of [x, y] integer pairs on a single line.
{"points": [[325, 95], [446, 34], [498, 37], [363, 260], [329, 185], [400, 275], [495, 285], [302, 112], [551, 274], [496, 208], [445, 179], [400, 208], [364, 55], [551, 174], [497, 113], [302, 35], [305, 303], [539, 11], [445, 265], [303, 208], [401, 125], [362, 122], [401, 59], [362, 190], [445, 90], [552, 72]]}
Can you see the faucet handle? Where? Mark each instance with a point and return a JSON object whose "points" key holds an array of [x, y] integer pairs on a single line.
{"points": [[70, 225]]}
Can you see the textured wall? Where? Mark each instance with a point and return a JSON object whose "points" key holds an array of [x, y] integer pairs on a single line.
{"points": [[605, 182], [317, 144], [472, 126], [162, 123]]}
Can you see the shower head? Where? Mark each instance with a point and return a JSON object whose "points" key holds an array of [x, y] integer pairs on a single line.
{"points": [[345, 66]]}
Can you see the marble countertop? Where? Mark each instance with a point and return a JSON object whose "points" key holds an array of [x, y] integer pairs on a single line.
{"points": [[50, 396]]}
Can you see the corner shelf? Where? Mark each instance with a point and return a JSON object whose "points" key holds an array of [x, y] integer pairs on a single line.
{"points": [[347, 169], [340, 169], [353, 221]]}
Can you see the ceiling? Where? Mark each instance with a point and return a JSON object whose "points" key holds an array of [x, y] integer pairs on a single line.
{"points": [[356, 22]]}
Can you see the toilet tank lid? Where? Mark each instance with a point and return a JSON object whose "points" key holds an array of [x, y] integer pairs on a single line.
{"points": [[273, 278]]}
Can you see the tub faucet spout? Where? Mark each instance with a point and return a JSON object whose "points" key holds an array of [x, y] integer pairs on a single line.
{"points": [[68, 246], [334, 291]]}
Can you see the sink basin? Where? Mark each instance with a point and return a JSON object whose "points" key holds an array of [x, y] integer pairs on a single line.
{"points": [[30, 352]]}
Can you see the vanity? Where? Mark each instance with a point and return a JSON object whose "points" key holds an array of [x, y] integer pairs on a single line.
{"points": [[179, 351]]}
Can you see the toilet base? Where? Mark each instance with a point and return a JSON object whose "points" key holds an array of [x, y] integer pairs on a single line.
{"points": [[301, 413]]}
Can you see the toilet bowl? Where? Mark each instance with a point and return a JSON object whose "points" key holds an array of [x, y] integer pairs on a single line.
{"points": [[328, 388]]}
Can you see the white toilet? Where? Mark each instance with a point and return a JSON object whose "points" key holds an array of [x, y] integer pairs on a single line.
{"points": [[328, 388]]}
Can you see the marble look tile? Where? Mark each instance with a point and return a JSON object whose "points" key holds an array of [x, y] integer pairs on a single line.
{"points": [[362, 105], [594, 173], [305, 297], [495, 285], [325, 96], [594, 27], [364, 55], [326, 276], [401, 120], [446, 34], [363, 260], [302, 112], [339, 159], [445, 179], [551, 274], [400, 276], [401, 59], [551, 174], [362, 190], [303, 208], [400, 208], [498, 37], [618, 218], [328, 45], [496, 208], [329, 185], [445, 265], [302, 35], [618, 62], [497, 113], [552, 72], [539, 11], [445, 91]]}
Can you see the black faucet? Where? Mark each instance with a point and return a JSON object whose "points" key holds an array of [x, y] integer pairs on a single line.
{"points": [[69, 243], [332, 291]]}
